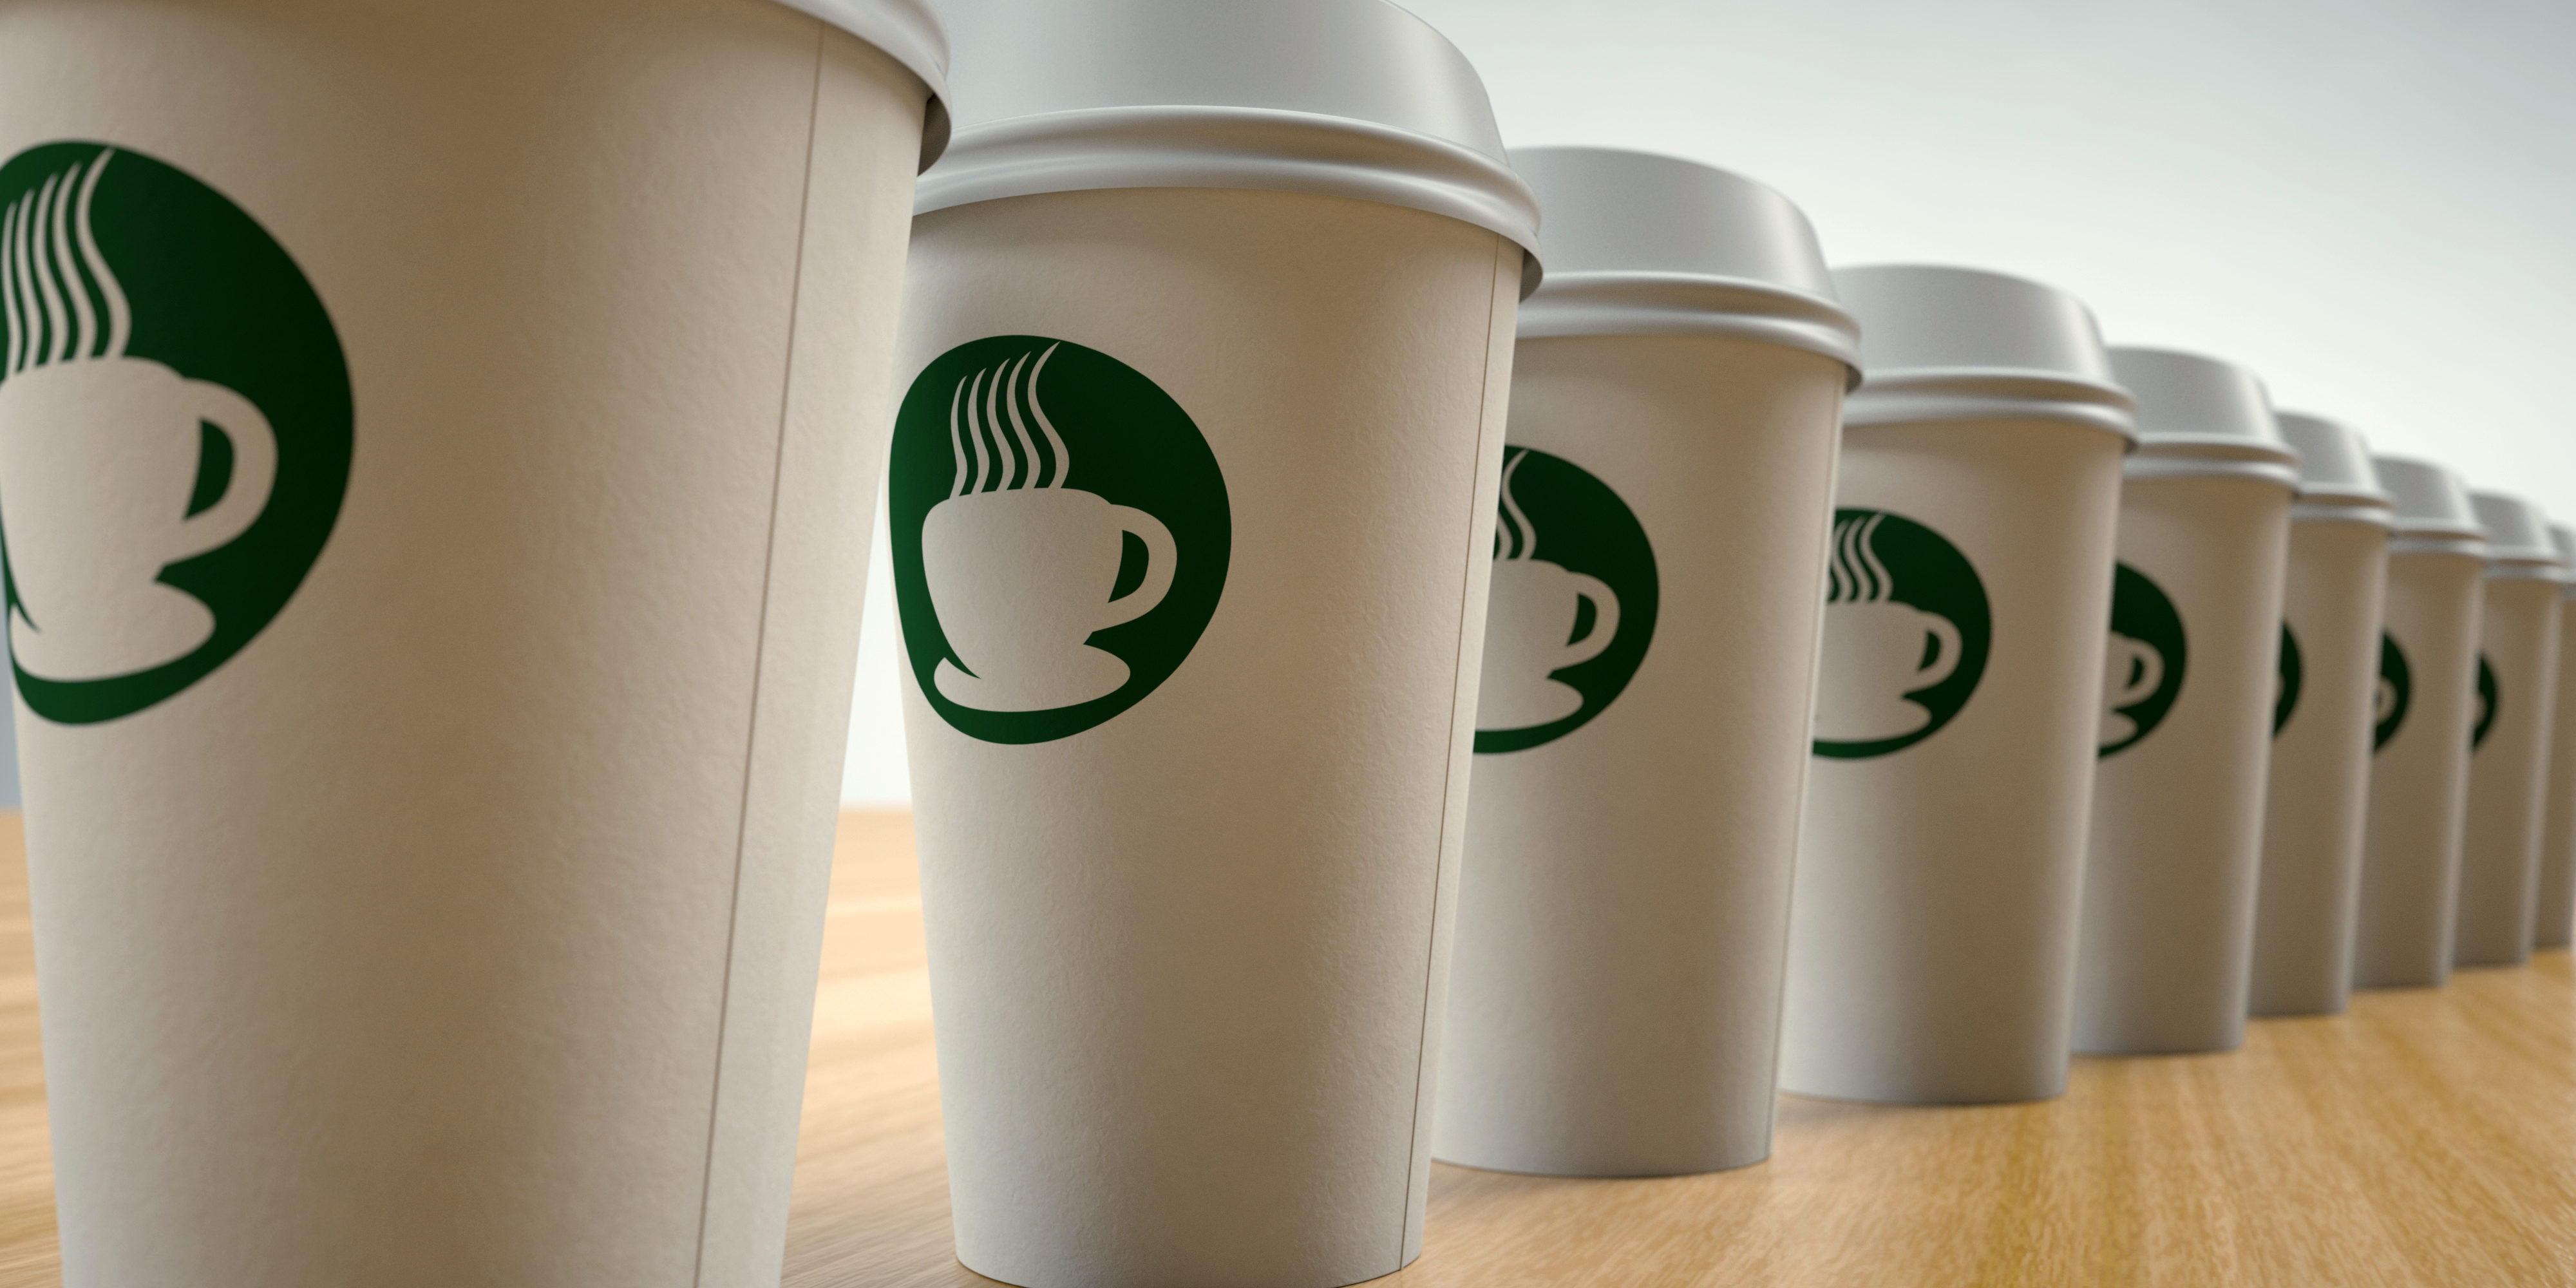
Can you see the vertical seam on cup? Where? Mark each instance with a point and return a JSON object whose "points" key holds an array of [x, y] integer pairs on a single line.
{"points": [[759, 655], [1448, 785]]}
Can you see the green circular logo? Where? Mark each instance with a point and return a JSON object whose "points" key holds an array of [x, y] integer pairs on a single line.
{"points": [[2143, 667], [1060, 536], [2486, 704], [2285, 696], [175, 428], [2396, 692], [1572, 606], [1906, 634]]}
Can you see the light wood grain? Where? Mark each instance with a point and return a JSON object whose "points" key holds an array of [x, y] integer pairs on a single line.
{"points": [[2429, 1138]]}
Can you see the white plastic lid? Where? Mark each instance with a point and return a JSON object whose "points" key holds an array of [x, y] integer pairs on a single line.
{"points": [[1339, 98], [2563, 538], [2200, 417], [2433, 511], [909, 33], [1957, 344], [2518, 542], [1642, 244], [2336, 480]]}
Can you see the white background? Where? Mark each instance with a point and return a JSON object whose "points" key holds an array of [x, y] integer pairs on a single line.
{"points": [[2371, 202]]}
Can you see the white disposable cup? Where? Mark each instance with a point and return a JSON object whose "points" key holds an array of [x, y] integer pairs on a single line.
{"points": [[1188, 960], [2554, 907], [2186, 708], [1932, 934], [1615, 999], [1187, 964], [2317, 793], [462, 927], [2419, 774], [2509, 750]]}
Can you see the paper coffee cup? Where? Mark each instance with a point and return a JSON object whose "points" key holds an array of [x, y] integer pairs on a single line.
{"points": [[1192, 501], [2318, 789], [2554, 906], [1650, 643], [2424, 714], [438, 542], [1932, 938], [2509, 742], [2186, 706]]}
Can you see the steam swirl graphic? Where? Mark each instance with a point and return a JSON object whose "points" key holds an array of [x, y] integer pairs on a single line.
{"points": [[1004, 461], [1856, 576], [59, 301], [1516, 538]]}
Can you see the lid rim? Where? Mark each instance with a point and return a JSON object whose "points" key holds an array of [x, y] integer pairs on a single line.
{"points": [[2329, 494], [1250, 148], [1935, 394], [1645, 302], [2142, 466], [910, 33], [2377, 516], [2215, 447]]}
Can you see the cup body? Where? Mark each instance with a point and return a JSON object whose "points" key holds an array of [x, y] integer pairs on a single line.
{"points": [[2554, 906], [1615, 1004], [2318, 790], [1932, 940], [460, 923], [2508, 771], [1188, 958], [2419, 776], [2177, 823]]}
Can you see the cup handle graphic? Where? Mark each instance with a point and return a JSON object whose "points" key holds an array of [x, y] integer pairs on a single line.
{"points": [[1943, 662], [1161, 558], [1605, 622], [2151, 676], [254, 470]]}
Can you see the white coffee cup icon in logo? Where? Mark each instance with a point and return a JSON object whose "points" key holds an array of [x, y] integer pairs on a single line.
{"points": [[1021, 569], [100, 455], [1530, 615], [2132, 671], [1877, 651]]}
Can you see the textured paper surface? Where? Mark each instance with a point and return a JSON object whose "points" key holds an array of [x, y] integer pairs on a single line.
{"points": [[2177, 826], [1187, 963], [2419, 779], [1932, 937], [1623, 913], [461, 928], [2554, 907], [2318, 790], [2508, 775]]}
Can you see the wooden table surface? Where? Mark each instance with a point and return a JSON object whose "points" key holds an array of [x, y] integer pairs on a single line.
{"points": [[2429, 1137]]}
